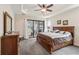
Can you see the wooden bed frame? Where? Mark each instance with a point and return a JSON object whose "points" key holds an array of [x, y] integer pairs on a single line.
{"points": [[48, 43]]}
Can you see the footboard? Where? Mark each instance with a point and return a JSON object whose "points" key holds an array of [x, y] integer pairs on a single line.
{"points": [[46, 42], [49, 44]]}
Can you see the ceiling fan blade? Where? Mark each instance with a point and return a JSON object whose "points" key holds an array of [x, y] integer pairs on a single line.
{"points": [[50, 5], [49, 10], [40, 5]]}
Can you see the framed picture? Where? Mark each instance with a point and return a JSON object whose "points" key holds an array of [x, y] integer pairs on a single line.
{"points": [[58, 22], [65, 22]]}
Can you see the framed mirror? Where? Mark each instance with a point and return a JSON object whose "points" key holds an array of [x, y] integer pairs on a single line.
{"points": [[7, 23]]}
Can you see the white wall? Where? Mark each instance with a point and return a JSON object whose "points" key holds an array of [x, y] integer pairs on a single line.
{"points": [[4, 8], [73, 17]]}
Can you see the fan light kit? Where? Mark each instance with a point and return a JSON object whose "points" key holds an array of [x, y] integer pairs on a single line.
{"points": [[43, 10], [44, 7]]}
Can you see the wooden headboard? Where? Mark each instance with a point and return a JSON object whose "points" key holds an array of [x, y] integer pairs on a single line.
{"points": [[65, 28]]}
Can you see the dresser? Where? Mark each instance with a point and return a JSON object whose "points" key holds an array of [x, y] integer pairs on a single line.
{"points": [[9, 44]]}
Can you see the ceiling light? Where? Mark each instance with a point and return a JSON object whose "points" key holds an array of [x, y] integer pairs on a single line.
{"points": [[43, 10]]}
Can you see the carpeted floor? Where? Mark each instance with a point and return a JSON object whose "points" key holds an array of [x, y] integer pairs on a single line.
{"points": [[32, 47]]}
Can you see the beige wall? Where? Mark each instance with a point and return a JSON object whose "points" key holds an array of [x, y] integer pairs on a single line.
{"points": [[4, 8], [73, 17], [19, 24]]}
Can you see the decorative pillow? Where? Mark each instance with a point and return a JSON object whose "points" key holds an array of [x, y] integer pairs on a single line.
{"points": [[62, 32], [56, 31]]}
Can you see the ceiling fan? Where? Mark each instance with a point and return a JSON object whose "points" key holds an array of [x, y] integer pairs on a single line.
{"points": [[44, 7]]}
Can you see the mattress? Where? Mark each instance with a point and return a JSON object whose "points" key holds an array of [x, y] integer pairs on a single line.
{"points": [[67, 36]]}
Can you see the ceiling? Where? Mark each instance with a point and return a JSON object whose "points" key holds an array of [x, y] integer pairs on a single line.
{"points": [[30, 9]]}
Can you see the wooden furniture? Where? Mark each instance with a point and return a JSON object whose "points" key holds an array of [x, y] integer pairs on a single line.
{"points": [[48, 43], [9, 44], [65, 28], [9, 40]]}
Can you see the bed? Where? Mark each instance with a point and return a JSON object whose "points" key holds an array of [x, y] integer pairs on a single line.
{"points": [[51, 42]]}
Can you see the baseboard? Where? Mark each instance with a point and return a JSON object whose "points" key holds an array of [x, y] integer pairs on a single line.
{"points": [[75, 45]]}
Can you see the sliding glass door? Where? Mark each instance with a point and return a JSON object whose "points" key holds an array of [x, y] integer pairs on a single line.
{"points": [[35, 26], [30, 28]]}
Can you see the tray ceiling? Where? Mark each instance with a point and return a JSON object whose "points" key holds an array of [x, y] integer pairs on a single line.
{"points": [[30, 9]]}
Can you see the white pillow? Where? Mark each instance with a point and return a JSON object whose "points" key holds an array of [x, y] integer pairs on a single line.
{"points": [[62, 32], [56, 31]]}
